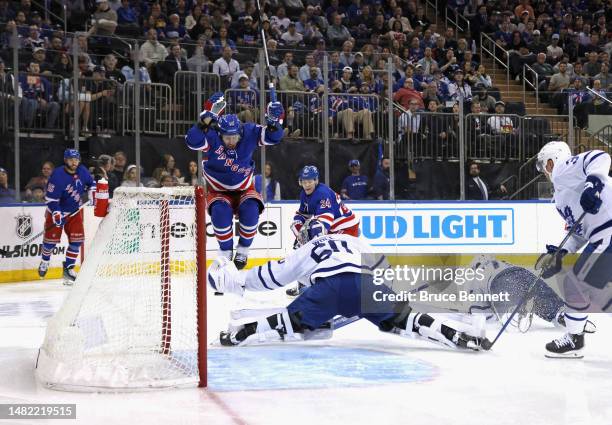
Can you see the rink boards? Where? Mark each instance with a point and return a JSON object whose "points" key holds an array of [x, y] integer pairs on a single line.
{"points": [[392, 227]]}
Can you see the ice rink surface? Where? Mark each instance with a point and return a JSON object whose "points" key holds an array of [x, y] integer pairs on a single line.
{"points": [[360, 376]]}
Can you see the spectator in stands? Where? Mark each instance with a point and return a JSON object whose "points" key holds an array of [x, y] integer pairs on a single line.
{"points": [[280, 22], [167, 180], [537, 44], [39, 56], [175, 26], [129, 73], [37, 96], [542, 68], [62, 65], [127, 18], [292, 38], [283, 69], [347, 57], [604, 76], [245, 101], [304, 72], [381, 184], [314, 83], [407, 93], [105, 19], [152, 51], [110, 70], [459, 89], [291, 81], [501, 126], [193, 18], [156, 20], [554, 51], [348, 80], [130, 177], [41, 179], [273, 188], [483, 78], [6, 11], [167, 165], [173, 63], [449, 64], [37, 194], [225, 66], [7, 87], [192, 178], [198, 57], [337, 33], [223, 41], [107, 163], [120, 163], [203, 27], [559, 82], [410, 128], [477, 133], [247, 33], [427, 61], [486, 101], [7, 194], [33, 40], [354, 186], [476, 188], [593, 66]]}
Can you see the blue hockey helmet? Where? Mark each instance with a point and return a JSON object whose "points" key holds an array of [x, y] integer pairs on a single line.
{"points": [[229, 125], [72, 153], [309, 172]]}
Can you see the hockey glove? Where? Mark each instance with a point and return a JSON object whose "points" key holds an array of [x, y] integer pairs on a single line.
{"points": [[551, 262], [224, 277], [213, 109], [275, 114], [590, 200], [58, 218]]}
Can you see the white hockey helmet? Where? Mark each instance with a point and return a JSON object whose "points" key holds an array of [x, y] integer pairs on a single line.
{"points": [[555, 151], [310, 230]]}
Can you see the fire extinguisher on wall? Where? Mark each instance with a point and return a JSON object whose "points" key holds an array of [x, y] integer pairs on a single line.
{"points": [[101, 198]]}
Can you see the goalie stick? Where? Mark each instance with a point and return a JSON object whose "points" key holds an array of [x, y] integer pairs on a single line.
{"points": [[5, 253], [523, 300]]}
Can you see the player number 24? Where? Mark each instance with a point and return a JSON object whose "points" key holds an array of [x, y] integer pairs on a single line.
{"points": [[322, 251]]}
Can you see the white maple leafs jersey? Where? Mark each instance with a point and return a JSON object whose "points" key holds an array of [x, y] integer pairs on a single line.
{"points": [[324, 256], [568, 178]]}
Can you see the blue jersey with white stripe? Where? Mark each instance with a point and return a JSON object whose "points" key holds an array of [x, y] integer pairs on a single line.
{"points": [[326, 206], [231, 169], [321, 257], [65, 191]]}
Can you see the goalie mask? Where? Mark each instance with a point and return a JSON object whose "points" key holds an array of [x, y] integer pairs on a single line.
{"points": [[311, 229]]}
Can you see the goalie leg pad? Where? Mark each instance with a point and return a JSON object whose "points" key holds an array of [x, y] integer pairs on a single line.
{"points": [[254, 327]]}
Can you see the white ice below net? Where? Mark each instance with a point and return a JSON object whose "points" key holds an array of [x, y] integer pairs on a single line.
{"points": [[108, 333]]}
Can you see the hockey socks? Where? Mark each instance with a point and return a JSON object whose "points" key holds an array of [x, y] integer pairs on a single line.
{"points": [[72, 254], [248, 213], [47, 250], [222, 216]]}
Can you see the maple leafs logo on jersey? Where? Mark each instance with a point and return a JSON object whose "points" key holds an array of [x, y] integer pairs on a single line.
{"points": [[569, 218]]}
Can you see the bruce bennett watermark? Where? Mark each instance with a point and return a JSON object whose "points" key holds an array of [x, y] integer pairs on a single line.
{"points": [[423, 284]]}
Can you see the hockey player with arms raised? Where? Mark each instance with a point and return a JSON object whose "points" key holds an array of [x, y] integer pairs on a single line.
{"points": [[581, 184], [228, 170], [320, 202], [336, 267], [65, 191]]}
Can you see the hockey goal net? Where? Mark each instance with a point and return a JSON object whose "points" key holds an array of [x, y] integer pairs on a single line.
{"points": [[135, 318]]}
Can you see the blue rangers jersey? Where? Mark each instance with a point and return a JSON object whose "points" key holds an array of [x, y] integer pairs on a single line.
{"points": [[326, 206], [230, 169], [247, 97], [568, 178], [65, 191]]}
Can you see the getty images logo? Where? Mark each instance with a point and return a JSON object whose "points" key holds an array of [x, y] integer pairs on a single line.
{"points": [[438, 226]]}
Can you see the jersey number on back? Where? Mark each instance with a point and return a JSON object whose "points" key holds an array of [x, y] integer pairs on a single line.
{"points": [[322, 251]]}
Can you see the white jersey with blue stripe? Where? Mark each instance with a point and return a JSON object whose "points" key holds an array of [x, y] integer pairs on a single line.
{"points": [[321, 257], [568, 178]]}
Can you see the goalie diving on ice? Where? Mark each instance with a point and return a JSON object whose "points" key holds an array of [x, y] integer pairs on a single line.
{"points": [[338, 269]]}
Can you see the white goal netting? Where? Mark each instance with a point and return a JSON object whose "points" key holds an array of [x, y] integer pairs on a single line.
{"points": [[130, 322]]}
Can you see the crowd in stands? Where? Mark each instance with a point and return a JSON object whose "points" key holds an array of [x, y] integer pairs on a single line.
{"points": [[567, 43]]}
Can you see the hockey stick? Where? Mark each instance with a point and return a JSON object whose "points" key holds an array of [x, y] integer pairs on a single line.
{"points": [[5, 253], [527, 295], [265, 48]]}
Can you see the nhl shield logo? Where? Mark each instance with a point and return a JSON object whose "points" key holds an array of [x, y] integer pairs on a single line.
{"points": [[24, 226]]}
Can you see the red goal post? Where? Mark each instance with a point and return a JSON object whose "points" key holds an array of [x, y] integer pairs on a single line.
{"points": [[136, 316]]}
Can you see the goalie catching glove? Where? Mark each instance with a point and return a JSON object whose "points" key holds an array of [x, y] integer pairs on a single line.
{"points": [[224, 277]]}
